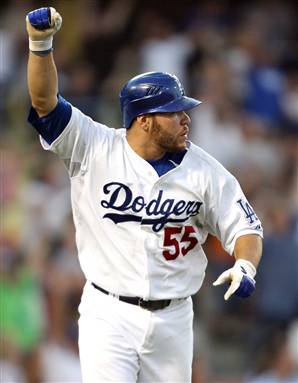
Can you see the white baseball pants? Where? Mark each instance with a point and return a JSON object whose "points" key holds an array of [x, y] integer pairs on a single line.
{"points": [[121, 342]]}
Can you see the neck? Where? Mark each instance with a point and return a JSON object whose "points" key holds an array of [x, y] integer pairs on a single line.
{"points": [[146, 150]]}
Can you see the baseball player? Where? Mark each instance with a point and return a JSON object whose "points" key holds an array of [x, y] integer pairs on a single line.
{"points": [[144, 199]]}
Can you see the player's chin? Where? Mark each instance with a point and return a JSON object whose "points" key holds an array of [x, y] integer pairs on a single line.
{"points": [[182, 143], [178, 147]]}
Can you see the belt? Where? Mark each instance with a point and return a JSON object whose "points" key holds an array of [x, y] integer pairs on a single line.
{"points": [[148, 305]]}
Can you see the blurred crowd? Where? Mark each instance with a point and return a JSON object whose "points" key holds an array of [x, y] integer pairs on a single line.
{"points": [[241, 59]]}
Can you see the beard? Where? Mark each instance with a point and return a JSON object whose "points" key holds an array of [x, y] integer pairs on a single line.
{"points": [[165, 140]]}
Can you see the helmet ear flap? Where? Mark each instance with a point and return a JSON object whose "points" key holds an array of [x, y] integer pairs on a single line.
{"points": [[153, 92]]}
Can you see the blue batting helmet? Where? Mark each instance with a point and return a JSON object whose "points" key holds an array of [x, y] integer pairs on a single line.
{"points": [[153, 92]]}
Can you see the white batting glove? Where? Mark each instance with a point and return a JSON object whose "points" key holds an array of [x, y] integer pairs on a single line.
{"points": [[41, 25], [241, 278]]}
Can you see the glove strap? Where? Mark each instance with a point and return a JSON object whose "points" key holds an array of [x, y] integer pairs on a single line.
{"points": [[41, 45], [249, 268]]}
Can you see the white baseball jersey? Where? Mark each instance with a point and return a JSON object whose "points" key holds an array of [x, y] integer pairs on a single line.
{"points": [[139, 234]]}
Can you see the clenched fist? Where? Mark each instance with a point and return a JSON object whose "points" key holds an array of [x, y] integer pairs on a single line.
{"points": [[41, 25]]}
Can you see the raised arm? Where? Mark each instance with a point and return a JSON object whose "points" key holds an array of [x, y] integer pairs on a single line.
{"points": [[41, 25]]}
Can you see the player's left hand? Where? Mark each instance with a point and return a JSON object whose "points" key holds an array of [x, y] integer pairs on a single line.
{"points": [[41, 26], [241, 278], [42, 23]]}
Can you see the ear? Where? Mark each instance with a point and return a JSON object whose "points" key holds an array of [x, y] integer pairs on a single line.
{"points": [[145, 122]]}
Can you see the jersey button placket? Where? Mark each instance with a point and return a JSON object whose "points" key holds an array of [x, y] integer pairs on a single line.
{"points": [[149, 235], [145, 231]]}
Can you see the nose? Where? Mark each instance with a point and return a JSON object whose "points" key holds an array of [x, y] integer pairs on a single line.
{"points": [[185, 119]]}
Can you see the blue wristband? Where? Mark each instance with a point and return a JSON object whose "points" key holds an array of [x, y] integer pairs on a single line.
{"points": [[42, 53]]}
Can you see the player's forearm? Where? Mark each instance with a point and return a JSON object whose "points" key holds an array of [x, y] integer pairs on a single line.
{"points": [[42, 83], [249, 247], [41, 25]]}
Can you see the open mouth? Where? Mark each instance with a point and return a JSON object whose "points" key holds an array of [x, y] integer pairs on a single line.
{"points": [[185, 134]]}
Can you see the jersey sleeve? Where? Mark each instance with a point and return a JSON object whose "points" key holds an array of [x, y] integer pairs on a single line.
{"points": [[52, 125], [72, 135], [230, 215]]}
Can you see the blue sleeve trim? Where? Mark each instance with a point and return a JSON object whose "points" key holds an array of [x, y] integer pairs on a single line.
{"points": [[52, 125]]}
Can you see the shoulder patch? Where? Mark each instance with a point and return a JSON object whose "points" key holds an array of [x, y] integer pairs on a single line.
{"points": [[250, 215]]}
